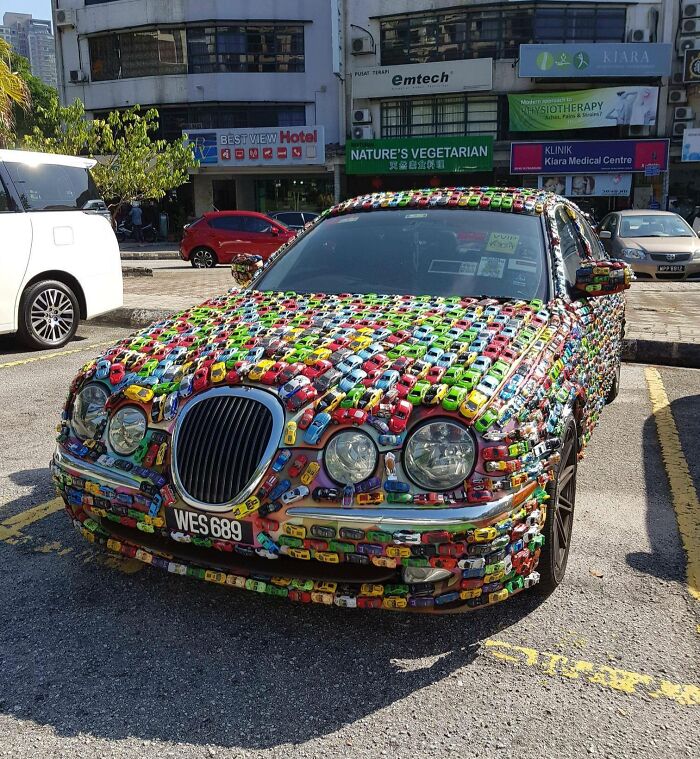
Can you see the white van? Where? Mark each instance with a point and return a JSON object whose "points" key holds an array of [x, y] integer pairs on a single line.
{"points": [[59, 262]]}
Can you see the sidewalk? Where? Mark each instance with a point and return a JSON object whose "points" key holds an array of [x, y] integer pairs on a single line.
{"points": [[663, 318]]}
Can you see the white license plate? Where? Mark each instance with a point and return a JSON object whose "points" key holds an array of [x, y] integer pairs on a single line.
{"points": [[209, 525], [671, 268]]}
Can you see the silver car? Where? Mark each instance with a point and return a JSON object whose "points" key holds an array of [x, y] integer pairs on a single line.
{"points": [[657, 244]]}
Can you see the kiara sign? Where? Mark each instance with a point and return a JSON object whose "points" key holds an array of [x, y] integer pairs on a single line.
{"points": [[583, 109], [419, 155]]}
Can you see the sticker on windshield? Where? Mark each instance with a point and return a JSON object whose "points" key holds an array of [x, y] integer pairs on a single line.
{"points": [[443, 266], [491, 267], [415, 215], [345, 219], [519, 264], [500, 242]]}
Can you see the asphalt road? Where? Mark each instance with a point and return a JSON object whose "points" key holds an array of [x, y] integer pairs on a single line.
{"points": [[106, 659]]}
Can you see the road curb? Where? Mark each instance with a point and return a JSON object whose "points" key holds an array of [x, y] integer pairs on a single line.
{"points": [[686, 355], [150, 255], [663, 353], [136, 271]]}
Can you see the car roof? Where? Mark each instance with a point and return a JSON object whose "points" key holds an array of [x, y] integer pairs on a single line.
{"points": [[209, 214], [37, 159], [644, 212]]}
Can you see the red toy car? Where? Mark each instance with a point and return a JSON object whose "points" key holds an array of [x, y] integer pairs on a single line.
{"points": [[354, 416], [399, 417]]}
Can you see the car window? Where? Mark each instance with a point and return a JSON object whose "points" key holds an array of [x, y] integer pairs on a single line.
{"points": [[595, 247], [609, 223], [309, 217], [6, 203], [417, 252], [289, 218], [231, 223], [255, 224], [571, 247], [654, 225], [51, 187]]}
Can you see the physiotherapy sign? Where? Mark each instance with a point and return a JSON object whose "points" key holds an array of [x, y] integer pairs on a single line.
{"points": [[419, 155], [583, 109], [600, 59], [269, 146], [594, 156]]}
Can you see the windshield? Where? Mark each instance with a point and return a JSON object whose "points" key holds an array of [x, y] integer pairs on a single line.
{"points": [[52, 187], [654, 225], [411, 252]]}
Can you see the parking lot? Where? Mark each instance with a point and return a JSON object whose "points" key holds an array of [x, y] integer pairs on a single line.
{"points": [[100, 657]]}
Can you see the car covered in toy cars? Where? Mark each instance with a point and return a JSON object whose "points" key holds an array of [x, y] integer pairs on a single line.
{"points": [[396, 401]]}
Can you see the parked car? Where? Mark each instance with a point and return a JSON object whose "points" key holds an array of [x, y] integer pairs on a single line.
{"points": [[294, 219], [216, 237], [63, 264], [99, 207], [447, 514], [657, 244]]}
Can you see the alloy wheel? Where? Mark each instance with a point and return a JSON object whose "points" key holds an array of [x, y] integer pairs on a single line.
{"points": [[563, 506], [52, 315], [203, 259]]}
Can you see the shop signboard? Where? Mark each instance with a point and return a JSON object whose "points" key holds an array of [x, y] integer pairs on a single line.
{"points": [[268, 146], [583, 109], [419, 155], [691, 145], [691, 67], [593, 156], [600, 59], [423, 78], [587, 185]]}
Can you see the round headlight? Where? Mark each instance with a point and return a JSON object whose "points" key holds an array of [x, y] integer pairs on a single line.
{"points": [[89, 410], [126, 430], [350, 457], [439, 455]]}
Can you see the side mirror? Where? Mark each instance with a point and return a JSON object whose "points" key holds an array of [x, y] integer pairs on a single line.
{"points": [[605, 234], [245, 267], [274, 231], [603, 278]]}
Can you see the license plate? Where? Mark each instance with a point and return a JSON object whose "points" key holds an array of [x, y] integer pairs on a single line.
{"points": [[209, 525], [670, 268]]}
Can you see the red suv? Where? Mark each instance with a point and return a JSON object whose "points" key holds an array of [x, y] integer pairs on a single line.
{"points": [[218, 236]]}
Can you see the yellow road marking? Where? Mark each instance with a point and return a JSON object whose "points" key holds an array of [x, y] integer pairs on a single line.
{"points": [[12, 526], [609, 678], [683, 493], [47, 356]]}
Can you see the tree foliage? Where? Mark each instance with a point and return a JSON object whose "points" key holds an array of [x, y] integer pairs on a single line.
{"points": [[131, 164], [13, 91], [44, 101]]}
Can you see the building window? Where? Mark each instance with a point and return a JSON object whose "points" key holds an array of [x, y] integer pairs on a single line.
{"points": [[249, 48], [495, 32], [151, 52], [432, 117]]}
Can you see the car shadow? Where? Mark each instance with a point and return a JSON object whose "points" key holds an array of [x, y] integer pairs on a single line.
{"points": [[10, 346], [87, 649], [666, 560], [41, 489]]}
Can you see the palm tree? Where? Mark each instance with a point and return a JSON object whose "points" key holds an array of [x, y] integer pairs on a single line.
{"points": [[13, 90]]}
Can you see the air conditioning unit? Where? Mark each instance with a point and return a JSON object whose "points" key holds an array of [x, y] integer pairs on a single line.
{"points": [[688, 44], [683, 114], [362, 133], [691, 10], [678, 128], [65, 18], [77, 76], [640, 35], [690, 26], [362, 116], [677, 77], [362, 45], [677, 97]]}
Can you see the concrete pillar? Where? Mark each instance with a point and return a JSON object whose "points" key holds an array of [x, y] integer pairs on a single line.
{"points": [[245, 193], [203, 194]]}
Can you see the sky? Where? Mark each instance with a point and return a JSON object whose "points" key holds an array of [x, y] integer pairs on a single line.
{"points": [[38, 8]]}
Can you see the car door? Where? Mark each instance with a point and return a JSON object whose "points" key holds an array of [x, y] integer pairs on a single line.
{"points": [[609, 224], [229, 236], [15, 225], [263, 236]]}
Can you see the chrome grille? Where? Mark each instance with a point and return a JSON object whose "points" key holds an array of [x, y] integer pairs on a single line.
{"points": [[222, 444], [677, 258]]}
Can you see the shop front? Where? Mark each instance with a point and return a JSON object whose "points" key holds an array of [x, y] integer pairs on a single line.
{"points": [[266, 169]]}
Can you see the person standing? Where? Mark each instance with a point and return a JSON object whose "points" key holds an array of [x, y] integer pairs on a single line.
{"points": [[136, 217]]}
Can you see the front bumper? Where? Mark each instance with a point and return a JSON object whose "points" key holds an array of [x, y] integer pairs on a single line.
{"points": [[376, 557], [653, 270]]}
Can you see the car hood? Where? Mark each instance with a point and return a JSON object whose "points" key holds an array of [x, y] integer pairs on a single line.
{"points": [[662, 244]]}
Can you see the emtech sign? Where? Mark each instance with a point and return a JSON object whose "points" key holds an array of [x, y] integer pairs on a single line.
{"points": [[423, 78], [269, 146]]}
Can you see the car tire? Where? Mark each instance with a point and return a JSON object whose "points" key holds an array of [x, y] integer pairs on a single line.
{"points": [[560, 514], [203, 258], [48, 315], [615, 387]]}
